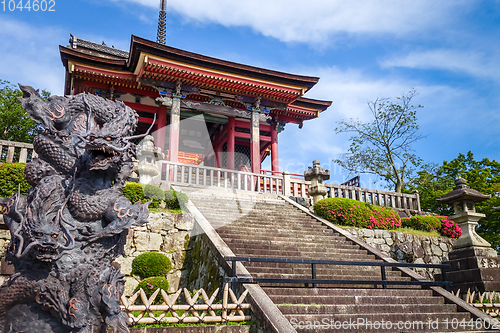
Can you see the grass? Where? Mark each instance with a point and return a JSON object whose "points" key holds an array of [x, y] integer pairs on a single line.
{"points": [[405, 230], [418, 232], [166, 210]]}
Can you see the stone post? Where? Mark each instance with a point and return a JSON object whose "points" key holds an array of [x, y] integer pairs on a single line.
{"points": [[316, 175], [148, 155], [286, 184]]}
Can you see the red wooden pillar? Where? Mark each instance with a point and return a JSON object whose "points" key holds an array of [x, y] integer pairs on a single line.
{"points": [[230, 143], [255, 143], [274, 151], [218, 152], [175, 119], [161, 128]]}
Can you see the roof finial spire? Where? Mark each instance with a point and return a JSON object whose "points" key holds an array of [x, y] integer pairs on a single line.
{"points": [[161, 37]]}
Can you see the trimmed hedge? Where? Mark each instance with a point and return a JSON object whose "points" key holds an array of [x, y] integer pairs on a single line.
{"points": [[133, 192], [11, 175], [441, 224], [424, 223], [175, 200], [142, 192], [151, 264], [150, 285], [358, 214], [155, 194]]}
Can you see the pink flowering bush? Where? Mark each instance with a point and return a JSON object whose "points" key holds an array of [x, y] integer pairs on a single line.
{"points": [[358, 214], [441, 224], [150, 285], [449, 228]]}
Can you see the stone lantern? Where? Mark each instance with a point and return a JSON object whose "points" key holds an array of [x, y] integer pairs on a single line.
{"points": [[475, 265], [464, 199], [148, 155], [316, 175]]}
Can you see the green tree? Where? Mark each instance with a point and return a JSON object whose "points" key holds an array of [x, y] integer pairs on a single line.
{"points": [[483, 176], [383, 145], [15, 123]]}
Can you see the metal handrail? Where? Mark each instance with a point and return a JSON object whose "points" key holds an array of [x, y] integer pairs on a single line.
{"points": [[234, 279]]}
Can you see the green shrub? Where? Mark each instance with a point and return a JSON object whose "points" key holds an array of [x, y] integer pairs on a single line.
{"points": [[155, 194], [440, 224], [151, 264], [175, 200], [358, 214], [424, 223], [133, 192], [150, 285], [11, 175]]}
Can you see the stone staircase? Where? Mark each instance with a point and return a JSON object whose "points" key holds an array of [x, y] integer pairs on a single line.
{"points": [[264, 226]]}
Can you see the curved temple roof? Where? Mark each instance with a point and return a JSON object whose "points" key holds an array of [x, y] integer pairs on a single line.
{"points": [[148, 61]]}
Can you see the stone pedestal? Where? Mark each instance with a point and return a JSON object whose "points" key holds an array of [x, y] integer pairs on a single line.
{"points": [[474, 268]]}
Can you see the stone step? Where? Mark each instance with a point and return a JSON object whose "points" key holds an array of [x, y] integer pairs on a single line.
{"points": [[319, 255], [354, 276], [278, 229], [339, 309], [345, 299], [276, 218], [322, 271], [339, 286], [282, 224], [229, 229], [289, 245], [371, 323], [270, 266], [349, 292], [281, 242], [323, 239]]}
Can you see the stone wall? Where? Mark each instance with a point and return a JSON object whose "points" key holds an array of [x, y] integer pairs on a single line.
{"points": [[165, 233], [405, 247], [205, 267]]}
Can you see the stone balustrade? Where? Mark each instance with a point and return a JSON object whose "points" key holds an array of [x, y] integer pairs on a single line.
{"points": [[9, 148]]}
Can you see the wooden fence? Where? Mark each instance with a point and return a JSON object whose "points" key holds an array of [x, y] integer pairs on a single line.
{"points": [[488, 302], [193, 312]]}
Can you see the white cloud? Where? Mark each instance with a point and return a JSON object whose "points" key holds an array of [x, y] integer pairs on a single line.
{"points": [[317, 21], [29, 60], [472, 63]]}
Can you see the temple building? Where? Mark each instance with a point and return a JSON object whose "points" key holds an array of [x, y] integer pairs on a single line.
{"points": [[243, 107]]}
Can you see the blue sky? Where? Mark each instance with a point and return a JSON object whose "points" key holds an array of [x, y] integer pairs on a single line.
{"points": [[448, 50]]}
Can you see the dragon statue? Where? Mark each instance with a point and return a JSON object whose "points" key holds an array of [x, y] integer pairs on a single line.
{"points": [[66, 233]]}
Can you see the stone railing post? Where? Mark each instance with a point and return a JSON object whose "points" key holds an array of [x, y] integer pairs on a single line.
{"points": [[286, 184], [416, 200], [10, 154]]}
